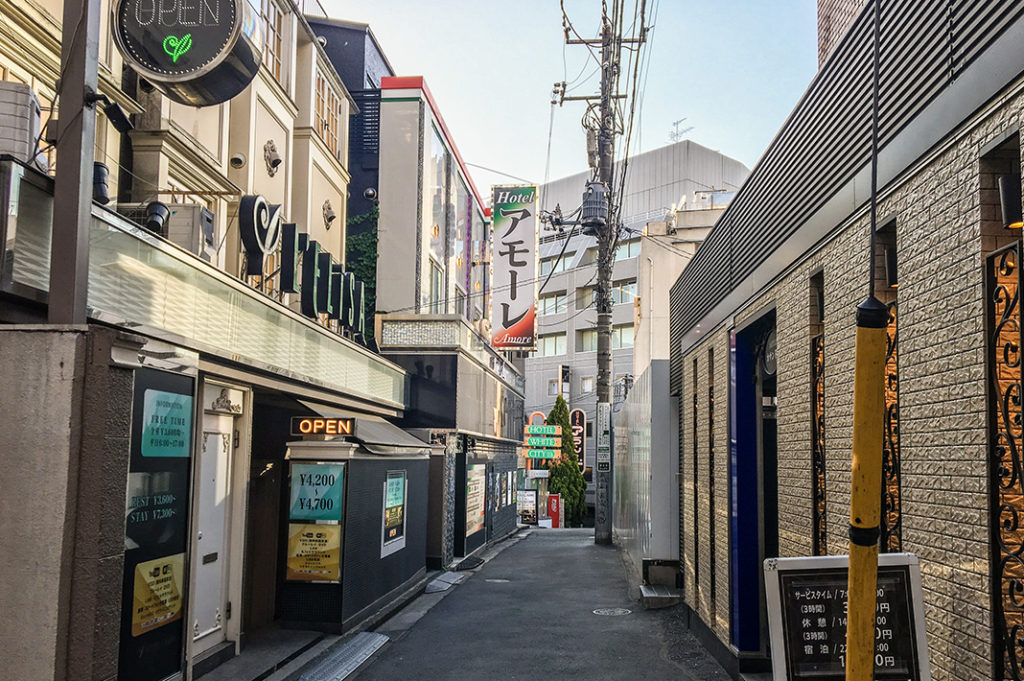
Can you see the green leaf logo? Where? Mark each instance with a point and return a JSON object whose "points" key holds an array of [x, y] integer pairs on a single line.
{"points": [[175, 46]]}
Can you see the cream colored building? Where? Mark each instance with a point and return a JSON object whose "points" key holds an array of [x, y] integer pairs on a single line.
{"points": [[175, 307]]}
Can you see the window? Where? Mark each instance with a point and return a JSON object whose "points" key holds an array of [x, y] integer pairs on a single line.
{"points": [[629, 249], [393, 538], [554, 304], [623, 292], [553, 387], [273, 33], [622, 337], [436, 289], [550, 345], [327, 119], [587, 384], [586, 341], [547, 264], [584, 298], [460, 302]]}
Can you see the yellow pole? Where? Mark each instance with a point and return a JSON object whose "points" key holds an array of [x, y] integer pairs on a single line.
{"points": [[866, 487]]}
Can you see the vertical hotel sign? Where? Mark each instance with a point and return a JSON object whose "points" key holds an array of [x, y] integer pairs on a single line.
{"points": [[514, 268]]}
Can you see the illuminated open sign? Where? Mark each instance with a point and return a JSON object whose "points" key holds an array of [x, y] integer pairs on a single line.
{"points": [[320, 425], [197, 52]]}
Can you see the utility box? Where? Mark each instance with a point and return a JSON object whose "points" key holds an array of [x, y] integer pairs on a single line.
{"points": [[20, 124]]}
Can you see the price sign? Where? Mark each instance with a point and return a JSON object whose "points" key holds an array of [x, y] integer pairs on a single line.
{"points": [[807, 604], [316, 492]]}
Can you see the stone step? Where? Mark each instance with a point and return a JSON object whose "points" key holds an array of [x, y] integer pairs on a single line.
{"points": [[659, 596]]}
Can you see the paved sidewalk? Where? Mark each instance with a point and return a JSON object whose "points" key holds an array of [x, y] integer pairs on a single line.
{"points": [[528, 614]]}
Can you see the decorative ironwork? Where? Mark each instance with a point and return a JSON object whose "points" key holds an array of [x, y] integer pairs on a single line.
{"points": [[892, 523], [1006, 475], [818, 444]]}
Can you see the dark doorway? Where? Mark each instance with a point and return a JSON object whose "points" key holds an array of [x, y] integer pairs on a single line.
{"points": [[753, 474]]}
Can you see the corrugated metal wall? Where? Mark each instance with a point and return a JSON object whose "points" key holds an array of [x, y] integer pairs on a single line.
{"points": [[925, 45]]}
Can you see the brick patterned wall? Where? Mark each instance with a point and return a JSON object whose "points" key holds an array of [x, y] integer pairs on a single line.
{"points": [[946, 222], [834, 19]]}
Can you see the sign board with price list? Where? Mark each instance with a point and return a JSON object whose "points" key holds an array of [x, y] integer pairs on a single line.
{"points": [[806, 600]]}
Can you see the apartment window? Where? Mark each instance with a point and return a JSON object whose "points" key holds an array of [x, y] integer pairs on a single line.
{"points": [[584, 298], [554, 304], [622, 336], [436, 289], [629, 249], [553, 387], [547, 265], [327, 119], [586, 340], [587, 384], [623, 292], [273, 33], [460, 302], [551, 345]]}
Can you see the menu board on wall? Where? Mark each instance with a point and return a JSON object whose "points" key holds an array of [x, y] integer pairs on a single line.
{"points": [[394, 506], [476, 486], [316, 491], [314, 553], [157, 508], [806, 600]]}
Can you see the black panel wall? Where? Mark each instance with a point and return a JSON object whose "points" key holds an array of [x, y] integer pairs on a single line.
{"points": [[366, 576]]}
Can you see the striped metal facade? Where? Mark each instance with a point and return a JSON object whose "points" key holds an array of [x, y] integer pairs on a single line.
{"points": [[925, 46]]}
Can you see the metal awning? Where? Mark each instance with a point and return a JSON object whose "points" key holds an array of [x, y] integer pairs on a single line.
{"points": [[375, 434]]}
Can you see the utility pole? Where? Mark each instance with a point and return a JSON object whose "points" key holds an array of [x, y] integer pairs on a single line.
{"points": [[606, 231], [76, 138]]}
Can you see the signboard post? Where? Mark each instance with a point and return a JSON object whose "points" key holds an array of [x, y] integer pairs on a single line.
{"points": [[514, 268], [578, 419], [603, 493], [806, 601], [526, 506]]}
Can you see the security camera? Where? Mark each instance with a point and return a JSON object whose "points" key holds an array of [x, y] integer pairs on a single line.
{"points": [[237, 161], [369, 193], [274, 159]]}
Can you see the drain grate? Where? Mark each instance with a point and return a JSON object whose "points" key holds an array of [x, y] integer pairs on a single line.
{"points": [[612, 612]]}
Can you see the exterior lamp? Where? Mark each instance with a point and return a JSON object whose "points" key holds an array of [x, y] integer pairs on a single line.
{"points": [[1009, 201], [100, 183], [156, 216]]}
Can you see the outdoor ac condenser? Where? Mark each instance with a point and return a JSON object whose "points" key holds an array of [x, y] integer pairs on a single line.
{"points": [[189, 226], [20, 124]]}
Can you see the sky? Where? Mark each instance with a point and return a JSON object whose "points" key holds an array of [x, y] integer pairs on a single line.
{"points": [[731, 69]]}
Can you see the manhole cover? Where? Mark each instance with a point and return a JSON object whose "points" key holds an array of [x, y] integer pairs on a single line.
{"points": [[612, 612], [497, 581]]}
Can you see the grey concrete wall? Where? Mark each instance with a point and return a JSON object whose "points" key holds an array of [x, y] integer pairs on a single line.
{"points": [[64, 420]]}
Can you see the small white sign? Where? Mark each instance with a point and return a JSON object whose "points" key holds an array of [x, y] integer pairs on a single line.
{"points": [[604, 440]]}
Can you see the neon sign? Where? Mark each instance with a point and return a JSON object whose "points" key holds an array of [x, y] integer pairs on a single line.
{"points": [[197, 52]]}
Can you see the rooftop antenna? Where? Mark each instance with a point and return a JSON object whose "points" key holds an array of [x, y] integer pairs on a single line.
{"points": [[677, 134]]}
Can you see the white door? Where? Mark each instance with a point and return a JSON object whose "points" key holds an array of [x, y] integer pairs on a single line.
{"points": [[210, 561]]}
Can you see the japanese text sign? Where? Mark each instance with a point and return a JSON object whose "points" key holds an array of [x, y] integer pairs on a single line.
{"points": [[514, 268]]}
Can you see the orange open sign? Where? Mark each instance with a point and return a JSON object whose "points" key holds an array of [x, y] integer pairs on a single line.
{"points": [[319, 425]]}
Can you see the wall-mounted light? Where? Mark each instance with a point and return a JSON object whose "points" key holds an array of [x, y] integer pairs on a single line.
{"points": [[1009, 201], [156, 216], [100, 183], [272, 157], [113, 111], [329, 214]]}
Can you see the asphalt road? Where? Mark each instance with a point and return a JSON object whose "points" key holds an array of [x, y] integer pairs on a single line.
{"points": [[528, 614]]}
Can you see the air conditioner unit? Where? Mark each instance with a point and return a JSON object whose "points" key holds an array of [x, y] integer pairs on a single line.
{"points": [[189, 226], [20, 124]]}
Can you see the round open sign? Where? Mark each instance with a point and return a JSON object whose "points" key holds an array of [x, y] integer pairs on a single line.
{"points": [[197, 52]]}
